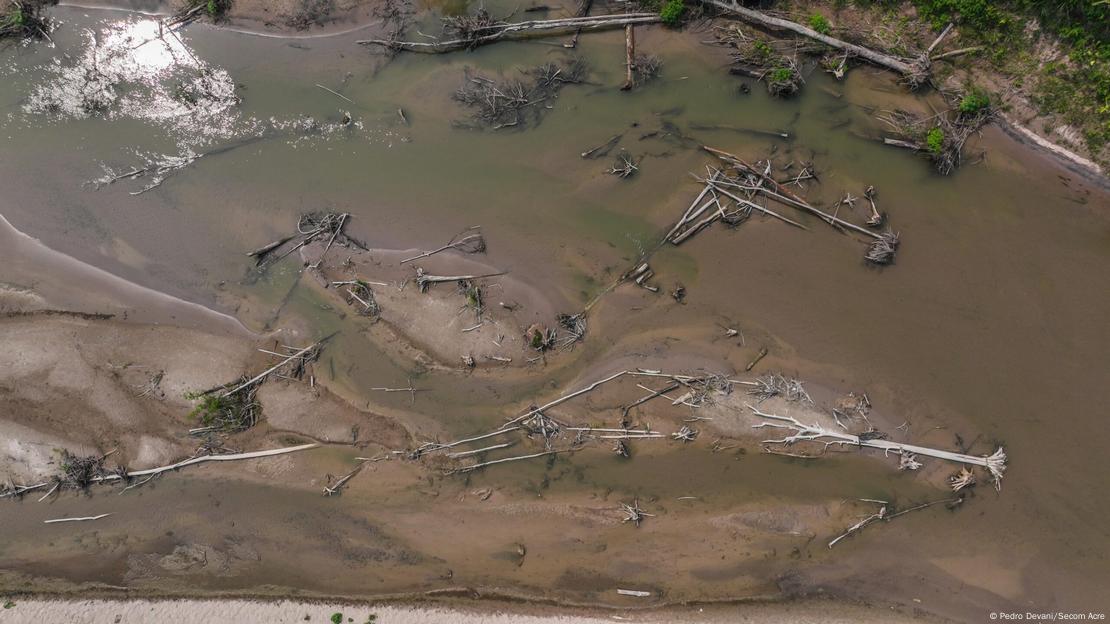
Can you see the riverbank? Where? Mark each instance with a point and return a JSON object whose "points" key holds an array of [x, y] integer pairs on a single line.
{"points": [[291, 612], [1017, 87]]}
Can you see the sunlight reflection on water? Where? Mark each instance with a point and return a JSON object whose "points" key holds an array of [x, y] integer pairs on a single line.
{"points": [[138, 69]]}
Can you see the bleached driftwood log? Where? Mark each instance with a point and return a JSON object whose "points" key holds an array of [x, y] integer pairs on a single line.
{"points": [[995, 463], [424, 280], [915, 72], [151, 472], [259, 377], [518, 30], [86, 518]]}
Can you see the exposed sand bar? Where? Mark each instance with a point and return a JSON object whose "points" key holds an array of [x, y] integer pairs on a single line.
{"points": [[65, 283], [243, 611]]}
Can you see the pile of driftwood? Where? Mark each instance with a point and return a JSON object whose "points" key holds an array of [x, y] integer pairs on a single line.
{"points": [[231, 407], [765, 60], [310, 227], [730, 194], [558, 436], [360, 296], [516, 102], [625, 165], [835, 53], [941, 136], [573, 326], [778, 385], [478, 29]]}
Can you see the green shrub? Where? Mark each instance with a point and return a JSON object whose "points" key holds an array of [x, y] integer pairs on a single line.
{"points": [[208, 407], [216, 9], [672, 12], [934, 140], [974, 102], [820, 23], [782, 74], [336, 618]]}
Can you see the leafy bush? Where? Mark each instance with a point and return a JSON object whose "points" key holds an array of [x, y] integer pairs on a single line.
{"points": [[208, 407], [1078, 90], [336, 618], [216, 9], [672, 12], [974, 102], [820, 23], [934, 140], [782, 74], [15, 18]]}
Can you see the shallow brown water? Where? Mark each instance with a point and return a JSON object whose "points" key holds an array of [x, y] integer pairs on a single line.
{"points": [[992, 324]]}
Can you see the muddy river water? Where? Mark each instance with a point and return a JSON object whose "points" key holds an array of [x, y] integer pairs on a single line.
{"points": [[992, 324]]}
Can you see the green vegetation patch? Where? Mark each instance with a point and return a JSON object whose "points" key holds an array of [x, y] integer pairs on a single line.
{"points": [[934, 140], [672, 12], [820, 23], [974, 102], [1077, 88]]}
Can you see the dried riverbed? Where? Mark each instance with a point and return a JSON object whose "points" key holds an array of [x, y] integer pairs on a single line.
{"points": [[990, 326]]}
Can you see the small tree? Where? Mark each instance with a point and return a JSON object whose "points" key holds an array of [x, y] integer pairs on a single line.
{"points": [[672, 12], [974, 102], [820, 23], [934, 140]]}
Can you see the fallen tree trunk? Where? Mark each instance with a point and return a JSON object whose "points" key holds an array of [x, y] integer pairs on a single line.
{"points": [[914, 72], [630, 56], [151, 472], [994, 463], [210, 458], [518, 30], [84, 519]]}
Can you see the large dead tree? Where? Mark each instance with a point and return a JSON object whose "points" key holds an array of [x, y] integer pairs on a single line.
{"points": [[994, 463], [915, 72], [518, 30]]}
